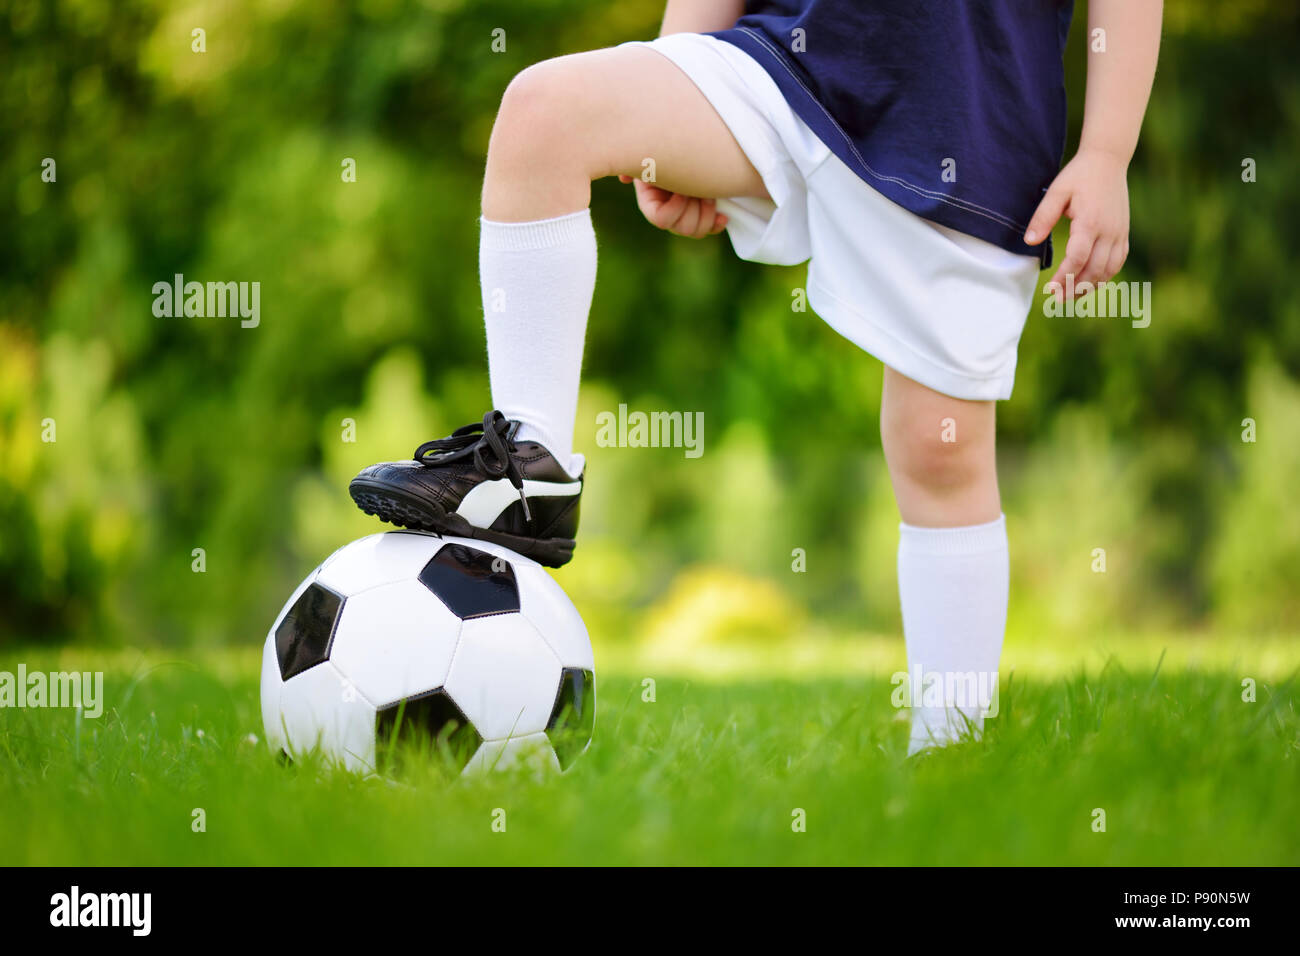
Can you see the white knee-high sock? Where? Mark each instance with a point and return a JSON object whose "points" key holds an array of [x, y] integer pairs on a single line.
{"points": [[952, 584], [537, 280]]}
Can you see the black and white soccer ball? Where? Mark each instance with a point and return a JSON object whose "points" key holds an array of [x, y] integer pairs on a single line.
{"points": [[461, 643]]}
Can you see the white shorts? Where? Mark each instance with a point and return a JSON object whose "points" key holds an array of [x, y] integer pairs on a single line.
{"points": [[939, 306]]}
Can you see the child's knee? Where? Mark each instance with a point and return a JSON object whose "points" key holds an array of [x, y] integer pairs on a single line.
{"points": [[542, 108], [937, 460]]}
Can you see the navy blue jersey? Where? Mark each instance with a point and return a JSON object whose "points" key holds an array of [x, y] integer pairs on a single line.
{"points": [[954, 109]]}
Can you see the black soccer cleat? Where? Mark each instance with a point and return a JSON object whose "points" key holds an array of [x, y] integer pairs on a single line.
{"points": [[480, 483]]}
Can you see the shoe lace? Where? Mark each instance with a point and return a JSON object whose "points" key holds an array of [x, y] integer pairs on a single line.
{"points": [[488, 442]]}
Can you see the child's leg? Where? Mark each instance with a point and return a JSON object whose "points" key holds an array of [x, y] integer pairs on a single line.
{"points": [[952, 555], [562, 124]]}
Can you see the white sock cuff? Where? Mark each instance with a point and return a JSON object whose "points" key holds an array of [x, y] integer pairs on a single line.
{"points": [[972, 539], [540, 234]]}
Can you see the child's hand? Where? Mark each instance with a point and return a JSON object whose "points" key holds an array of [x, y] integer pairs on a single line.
{"points": [[1092, 190], [681, 215]]}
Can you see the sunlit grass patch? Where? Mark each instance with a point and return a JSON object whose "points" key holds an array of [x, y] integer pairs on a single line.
{"points": [[707, 767]]}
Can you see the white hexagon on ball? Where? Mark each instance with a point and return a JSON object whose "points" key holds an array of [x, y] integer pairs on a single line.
{"points": [[395, 641], [505, 677]]}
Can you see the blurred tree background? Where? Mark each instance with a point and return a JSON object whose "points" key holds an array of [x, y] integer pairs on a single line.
{"points": [[177, 434]]}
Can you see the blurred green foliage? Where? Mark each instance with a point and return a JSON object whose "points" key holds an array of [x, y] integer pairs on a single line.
{"points": [[178, 434]]}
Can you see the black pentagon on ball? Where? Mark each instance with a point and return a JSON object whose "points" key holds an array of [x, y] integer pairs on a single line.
{"points": [[573, 718], [430, 721], [472, 583], [304, 637]]}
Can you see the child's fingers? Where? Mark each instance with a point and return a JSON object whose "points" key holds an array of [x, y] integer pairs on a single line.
{"points": [[624, 178], [1098, 259], [664, 213], [651, 191], [1118, 256], [1047, 215], [679, 214], [715, 225], [690, 219], [1077, 251], [708, 213]]}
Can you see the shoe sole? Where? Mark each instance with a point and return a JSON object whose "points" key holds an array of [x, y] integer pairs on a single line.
{"points": [[399, 507]]}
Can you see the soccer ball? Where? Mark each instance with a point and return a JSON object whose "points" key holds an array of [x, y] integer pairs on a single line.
{"points": [[404, 635]]}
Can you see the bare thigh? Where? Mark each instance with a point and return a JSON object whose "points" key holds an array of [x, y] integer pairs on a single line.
{"points": [[568, 121]]}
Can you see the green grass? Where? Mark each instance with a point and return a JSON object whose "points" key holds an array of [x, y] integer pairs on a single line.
{"points": [[1186, 772]]}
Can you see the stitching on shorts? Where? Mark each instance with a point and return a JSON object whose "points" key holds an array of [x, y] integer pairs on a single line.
{"points": [[962, 204]]}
